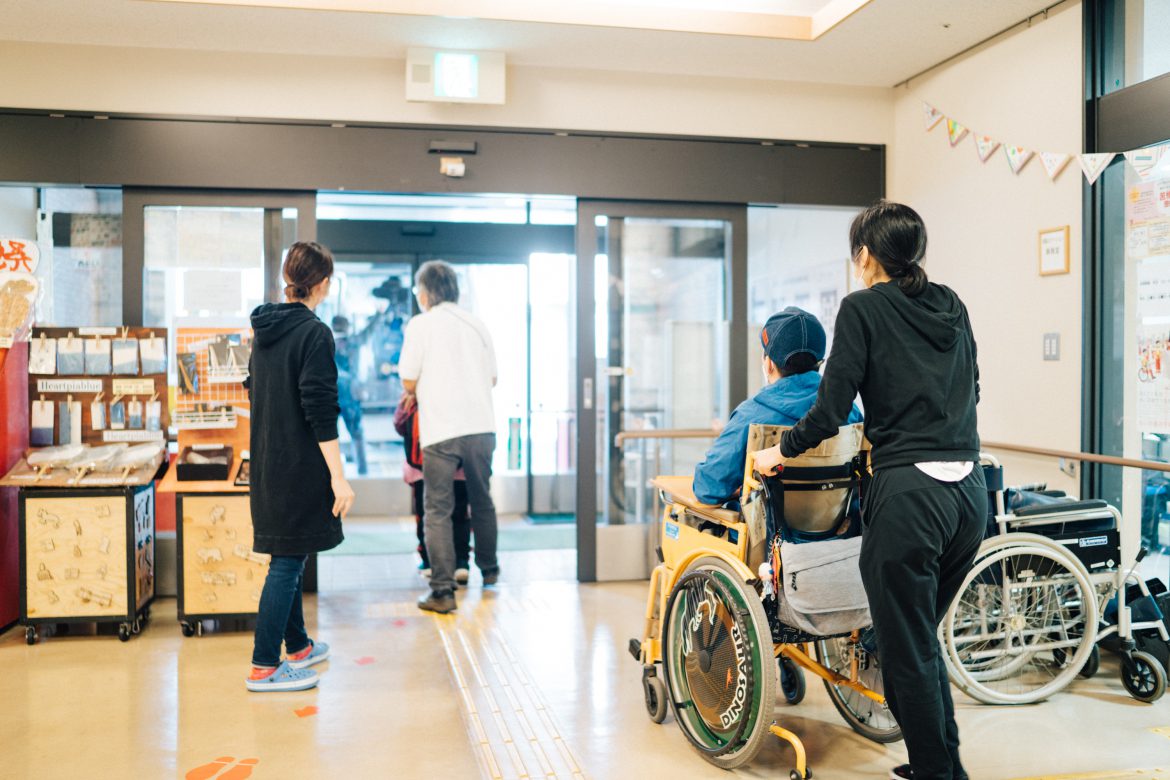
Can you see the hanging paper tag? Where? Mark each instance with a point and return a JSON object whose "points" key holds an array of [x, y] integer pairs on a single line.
{"points": [[1144, 161], [1093, 165], [931, 115], [955, 131], [1054, 163], [985, 146], [1017, 157]]}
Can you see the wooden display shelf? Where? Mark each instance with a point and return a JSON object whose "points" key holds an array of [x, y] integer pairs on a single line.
{"points": [[172, 484]]}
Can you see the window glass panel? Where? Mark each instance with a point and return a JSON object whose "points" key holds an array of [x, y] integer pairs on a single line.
{"points": [[797, 256], [79, 232], [1147, 33], [1145, 346], [368, 308], [497, 293], [202, 265]]}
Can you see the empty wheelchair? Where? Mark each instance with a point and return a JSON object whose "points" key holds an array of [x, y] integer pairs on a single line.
{"points": [[722, 626], [1028, 616]]}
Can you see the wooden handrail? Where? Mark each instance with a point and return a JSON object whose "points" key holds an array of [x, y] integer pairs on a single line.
{"points": [[667, 433], [1087, 457]]}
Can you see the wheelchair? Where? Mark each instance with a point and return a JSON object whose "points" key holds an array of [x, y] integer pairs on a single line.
{"points": [[1028, 616], [713, 613]]}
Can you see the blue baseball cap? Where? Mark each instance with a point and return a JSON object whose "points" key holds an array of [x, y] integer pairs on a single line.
{"points": [[789, 332]]}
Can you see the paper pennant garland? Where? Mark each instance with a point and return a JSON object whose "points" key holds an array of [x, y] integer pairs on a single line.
{"points": [[955, 131], [1144, 161], [985, 145], [1017, 157], [931, 115], [1054, 163], [1093, 165]]}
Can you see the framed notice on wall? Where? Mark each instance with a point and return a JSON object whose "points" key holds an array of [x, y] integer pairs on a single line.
{"points": [[1054, 251]]}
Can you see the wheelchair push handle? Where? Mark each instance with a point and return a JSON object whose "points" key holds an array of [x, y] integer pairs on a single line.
{"points": [[754, 479]]}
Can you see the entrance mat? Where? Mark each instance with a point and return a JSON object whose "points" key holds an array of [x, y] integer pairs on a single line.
{"points": [[511, 539]]}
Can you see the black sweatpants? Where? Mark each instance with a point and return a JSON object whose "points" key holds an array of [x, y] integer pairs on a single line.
{"points": [[920, 538]]}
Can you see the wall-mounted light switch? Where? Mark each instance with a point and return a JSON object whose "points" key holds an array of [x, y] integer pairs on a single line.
{"points": [[1052, 346]]}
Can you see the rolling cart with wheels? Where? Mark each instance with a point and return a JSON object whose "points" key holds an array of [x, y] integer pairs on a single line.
{"points": [[220, 577], [86, 556]]}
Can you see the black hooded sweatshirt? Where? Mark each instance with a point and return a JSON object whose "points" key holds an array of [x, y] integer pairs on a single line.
{"points": [[293, 391], [913, 360]]}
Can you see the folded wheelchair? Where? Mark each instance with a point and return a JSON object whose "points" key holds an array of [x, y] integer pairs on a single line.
{"points": [[1029, 615], [742, 599]]}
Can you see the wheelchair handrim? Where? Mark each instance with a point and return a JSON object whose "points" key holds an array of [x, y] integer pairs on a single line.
{"points": [[709, 594]]}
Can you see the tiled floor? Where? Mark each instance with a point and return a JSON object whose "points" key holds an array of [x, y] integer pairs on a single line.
{"points": [[530, 679]]}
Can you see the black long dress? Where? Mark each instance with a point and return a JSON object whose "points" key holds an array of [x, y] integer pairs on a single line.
{"points": [[293, 391]]}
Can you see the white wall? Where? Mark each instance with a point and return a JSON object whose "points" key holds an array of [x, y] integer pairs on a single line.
{"points": [[1024, 88], [158, 81]]}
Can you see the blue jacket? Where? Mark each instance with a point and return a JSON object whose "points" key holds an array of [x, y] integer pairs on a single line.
{"points": [[783, 402]]}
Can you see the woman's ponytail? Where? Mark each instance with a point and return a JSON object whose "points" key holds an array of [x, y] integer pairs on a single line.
{"points": [[896, 238]]}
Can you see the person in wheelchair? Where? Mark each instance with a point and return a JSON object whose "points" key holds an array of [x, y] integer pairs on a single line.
{"points": [[906, 346], [794, 347]]}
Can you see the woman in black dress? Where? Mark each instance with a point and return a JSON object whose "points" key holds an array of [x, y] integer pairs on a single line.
{"points": [[298, 489], [905, 344]]}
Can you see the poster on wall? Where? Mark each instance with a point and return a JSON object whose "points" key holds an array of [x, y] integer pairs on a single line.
{"points": [[18, 288], [1147, 250]]}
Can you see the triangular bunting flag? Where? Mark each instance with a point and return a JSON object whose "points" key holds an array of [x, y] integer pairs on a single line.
{"points": [[1017, 157], [931, 115], [1144, 161], [985, 145], [955, 131], [1054, 163], [1093, 165]]}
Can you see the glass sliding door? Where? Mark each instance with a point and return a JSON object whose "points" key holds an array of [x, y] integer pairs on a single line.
{"points": [[661, 332]]}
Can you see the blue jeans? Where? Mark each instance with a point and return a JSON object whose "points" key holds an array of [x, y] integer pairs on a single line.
{"points": [[281, 615]]}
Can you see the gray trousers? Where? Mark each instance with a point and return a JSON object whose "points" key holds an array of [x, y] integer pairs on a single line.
{"points": [[440, 462]]}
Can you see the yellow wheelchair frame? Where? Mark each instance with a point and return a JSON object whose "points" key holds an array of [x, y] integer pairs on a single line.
{"points": [[685, 549]]}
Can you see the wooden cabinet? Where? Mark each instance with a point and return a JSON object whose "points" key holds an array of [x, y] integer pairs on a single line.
{"points": [[219, 574], [86, 556]]}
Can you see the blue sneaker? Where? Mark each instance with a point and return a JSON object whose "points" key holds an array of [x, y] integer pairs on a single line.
{"points": [[318, 652], [284, 679]]}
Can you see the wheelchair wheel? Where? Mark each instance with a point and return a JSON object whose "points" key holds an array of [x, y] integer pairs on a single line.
{"points": [[792, 683], [717, 663], [868, 718], [1023, 625], [654, 692], [1143, 676]]}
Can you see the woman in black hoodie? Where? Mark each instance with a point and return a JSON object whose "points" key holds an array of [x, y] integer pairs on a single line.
{"points": [[905, 344], [298, 490]]}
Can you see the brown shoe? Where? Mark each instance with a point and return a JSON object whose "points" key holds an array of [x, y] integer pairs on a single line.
{"points": [[438, 602], [491, 578]]}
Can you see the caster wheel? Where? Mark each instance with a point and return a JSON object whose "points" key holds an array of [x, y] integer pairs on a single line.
{"points": [[794, 775], [791, 681], [187, 629], [125, 631], [1143, 676], [30, 635], [654, 691], [1092, 665]]}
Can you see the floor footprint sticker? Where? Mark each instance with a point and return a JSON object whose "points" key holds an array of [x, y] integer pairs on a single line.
{"points": [[211, 769]]}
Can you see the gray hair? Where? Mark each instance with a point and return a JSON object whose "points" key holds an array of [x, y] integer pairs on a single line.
{"points": [[439, 280]]}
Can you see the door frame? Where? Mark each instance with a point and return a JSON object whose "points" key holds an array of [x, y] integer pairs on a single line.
{"points": [[136, 199], [588, 390]]}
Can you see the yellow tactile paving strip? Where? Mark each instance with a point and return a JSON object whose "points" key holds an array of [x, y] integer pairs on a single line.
{"points": [[508, 721], [1121, 774]]}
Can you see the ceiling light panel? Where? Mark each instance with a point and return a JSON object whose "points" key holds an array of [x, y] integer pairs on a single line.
{"points": [[803, 20]]}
